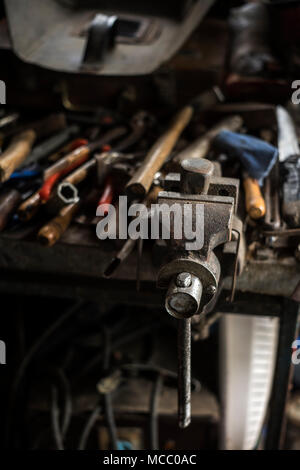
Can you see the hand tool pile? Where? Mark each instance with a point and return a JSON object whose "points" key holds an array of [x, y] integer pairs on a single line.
{"points": [[54, 178], [57, 172]]}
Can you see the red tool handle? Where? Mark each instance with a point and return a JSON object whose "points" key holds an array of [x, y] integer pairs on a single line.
{"points": [[107, 195], [77, 143], [45, 191]]}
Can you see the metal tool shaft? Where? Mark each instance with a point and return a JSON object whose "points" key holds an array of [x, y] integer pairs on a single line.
{"points": [[287, 136], [184, 372]]}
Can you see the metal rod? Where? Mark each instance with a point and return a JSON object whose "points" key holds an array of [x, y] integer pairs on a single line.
{"points": [[184, 372]]}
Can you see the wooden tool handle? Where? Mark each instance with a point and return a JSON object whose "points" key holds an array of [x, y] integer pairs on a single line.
{"points": [[141, 182], [76, 155], [53, 231], [200, 147], [8, 202], [29, 207], [255, 204], [153, 195], [78, 175], [69, 147], [16, 153]]}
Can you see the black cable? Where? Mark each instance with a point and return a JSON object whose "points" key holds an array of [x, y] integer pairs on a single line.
{"points": [[60, 429], [41, 436], [88, 427], [110, 421], [107, 349], [156, 391], [67, 415], [107, 404], [154, 412], [107, 399], [58, 439], [26, 361], [121, 341], [159, 370]]}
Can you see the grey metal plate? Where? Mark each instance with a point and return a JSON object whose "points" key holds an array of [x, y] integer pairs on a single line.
{"points": [[46, 34]]}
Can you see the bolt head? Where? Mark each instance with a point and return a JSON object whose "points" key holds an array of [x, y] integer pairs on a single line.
{"points": [[211, 290], [184, 280]]}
